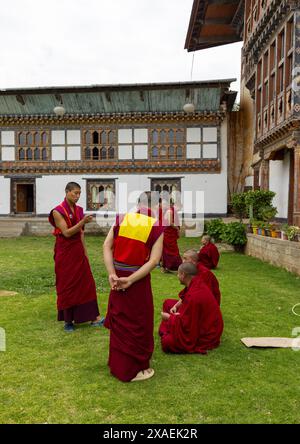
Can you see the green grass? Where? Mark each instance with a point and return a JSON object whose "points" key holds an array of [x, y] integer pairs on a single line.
{"points": [[48, 376]]}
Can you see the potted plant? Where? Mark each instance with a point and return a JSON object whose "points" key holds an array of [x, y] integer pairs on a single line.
{"points": [[284, 229], [267, 230], [254, 224], [292, 233], [273, 231]]}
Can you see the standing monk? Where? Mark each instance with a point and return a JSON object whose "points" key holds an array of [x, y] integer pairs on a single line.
{"points": [[171, 257], [75, 285], [132, 249], [209, 254]]}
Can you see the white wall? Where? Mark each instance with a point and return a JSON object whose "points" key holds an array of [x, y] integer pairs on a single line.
{"points": [[279, 183], [4, 196]]}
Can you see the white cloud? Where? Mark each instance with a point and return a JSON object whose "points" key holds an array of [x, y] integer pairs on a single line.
{"points": [[83, 42]]}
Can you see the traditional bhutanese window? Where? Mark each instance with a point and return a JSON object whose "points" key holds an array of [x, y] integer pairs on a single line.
{"points": [[33, 145], [168, 188], [100, 144], [101, 195], [167, 143]]}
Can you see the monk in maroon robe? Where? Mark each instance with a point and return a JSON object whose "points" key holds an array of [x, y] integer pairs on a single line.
{"points": [[197, 325], [204, 274], [132, 249], [171, 257], [75, 285], [209, 254]]}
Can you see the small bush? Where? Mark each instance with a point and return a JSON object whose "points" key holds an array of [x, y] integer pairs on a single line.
{"points": [[215, 229], [234, 234], [239, 205]]}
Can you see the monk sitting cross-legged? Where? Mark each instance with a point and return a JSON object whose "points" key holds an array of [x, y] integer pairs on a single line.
{"points": [[208, 254], [204, 274], [196, 325]]}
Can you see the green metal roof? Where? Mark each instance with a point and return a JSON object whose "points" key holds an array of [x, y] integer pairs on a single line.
{"points": [[109, 99]]}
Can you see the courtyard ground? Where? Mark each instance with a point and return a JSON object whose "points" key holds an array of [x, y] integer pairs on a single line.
{"points": [[48, 376]]}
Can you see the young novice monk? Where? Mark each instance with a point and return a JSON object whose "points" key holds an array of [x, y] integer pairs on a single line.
{"points": [[75, 285]]}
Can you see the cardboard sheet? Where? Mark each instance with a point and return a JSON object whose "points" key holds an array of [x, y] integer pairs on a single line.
{"points": [[272, 342]]}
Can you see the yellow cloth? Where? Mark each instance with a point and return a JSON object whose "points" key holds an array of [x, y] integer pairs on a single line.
{"points": [[136, 226]]}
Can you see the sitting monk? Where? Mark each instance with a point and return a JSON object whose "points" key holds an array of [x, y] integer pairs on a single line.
{"points": [[204, 273], [197, 325], [208, 254]]}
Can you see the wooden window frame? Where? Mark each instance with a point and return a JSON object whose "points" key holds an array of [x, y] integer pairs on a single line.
{"points": [[102, 146]]}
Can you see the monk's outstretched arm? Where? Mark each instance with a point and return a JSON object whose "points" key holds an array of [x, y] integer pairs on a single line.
{"points": [[154, 259], [62, 225]]}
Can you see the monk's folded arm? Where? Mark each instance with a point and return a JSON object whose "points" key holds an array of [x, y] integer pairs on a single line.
{"points": [[108, 252], [62, 225], [154, 259]]}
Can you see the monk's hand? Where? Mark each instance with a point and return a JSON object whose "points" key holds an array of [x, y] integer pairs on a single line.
{"points": [[123, 283], [87, 218], [165, 316], [173, 309], [113, 281]]}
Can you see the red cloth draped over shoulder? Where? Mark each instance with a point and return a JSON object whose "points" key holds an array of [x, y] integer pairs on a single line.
{"points": [[130, 314], [75, 284], [199, 325], [208, 277], [209, 256], [171, 257]]}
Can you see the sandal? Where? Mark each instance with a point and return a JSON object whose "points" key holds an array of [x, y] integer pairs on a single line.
{"points": [[143, 375], [98, 323]]}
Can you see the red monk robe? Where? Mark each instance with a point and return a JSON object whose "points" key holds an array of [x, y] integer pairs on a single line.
{"points": [[210, 280], [130, 315], [171, 257], [198, 326], [209, 256], [75, 285]]}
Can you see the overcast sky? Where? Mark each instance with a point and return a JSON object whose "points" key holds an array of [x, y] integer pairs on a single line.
{"points": [[85, 42]]}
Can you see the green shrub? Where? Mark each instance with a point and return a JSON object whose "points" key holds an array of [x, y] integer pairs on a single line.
{"points": [[239, 205], [215, 229], [261, 203], [234, 234]]}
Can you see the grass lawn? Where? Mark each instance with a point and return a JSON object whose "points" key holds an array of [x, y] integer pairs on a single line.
{"points": [[48, 376]]}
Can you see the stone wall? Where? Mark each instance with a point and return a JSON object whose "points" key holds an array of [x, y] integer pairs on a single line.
{"points": [[277, 252]]}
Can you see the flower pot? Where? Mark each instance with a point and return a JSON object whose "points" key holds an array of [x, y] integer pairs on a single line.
{"points": [[254, 230], [263, 232], [273, 233], [267, 232], [259, 231], [284, 236], [278, 234]]}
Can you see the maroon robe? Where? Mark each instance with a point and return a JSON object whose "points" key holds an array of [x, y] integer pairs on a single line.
{"points": [[198, 326], [130, 315], [209, 256], [210, 280], [75, 285], [171, 257]]}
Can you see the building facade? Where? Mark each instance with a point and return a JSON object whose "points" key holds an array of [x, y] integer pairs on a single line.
{"points": [[115, 141], [270, 72]]}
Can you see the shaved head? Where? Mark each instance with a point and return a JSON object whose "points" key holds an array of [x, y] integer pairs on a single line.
{"points": [[188, 269], [191, 255]]}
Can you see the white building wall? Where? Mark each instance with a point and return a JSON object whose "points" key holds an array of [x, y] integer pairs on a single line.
{"points": [[279, 183], [4, 196], [50, 188]]}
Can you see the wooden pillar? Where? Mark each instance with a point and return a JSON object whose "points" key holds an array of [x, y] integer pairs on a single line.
{"points": [[296, 215], [264, 175]]}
